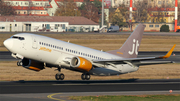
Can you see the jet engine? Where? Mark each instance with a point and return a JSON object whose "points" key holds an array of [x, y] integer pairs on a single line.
{"points": [[32, 65], [81, 63]]}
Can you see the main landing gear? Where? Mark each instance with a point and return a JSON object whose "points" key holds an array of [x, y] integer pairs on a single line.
{"points": [[59, 76], [85, 76]]}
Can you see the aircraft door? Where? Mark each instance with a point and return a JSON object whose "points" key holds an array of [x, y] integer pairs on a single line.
{"points": [[34, 42]]}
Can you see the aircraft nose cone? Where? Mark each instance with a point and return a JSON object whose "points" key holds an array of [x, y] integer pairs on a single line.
{"points": [[8, 44]]}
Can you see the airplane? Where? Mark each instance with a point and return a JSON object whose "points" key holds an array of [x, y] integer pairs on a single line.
{"points": [[35, 52]]}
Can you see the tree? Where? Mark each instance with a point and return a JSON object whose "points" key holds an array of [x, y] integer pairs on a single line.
{"points": [[6, 9], [98, 4], [68, 8], [119, 16], [111, 13], [164, 28], [124, 12], [178, 13], [90, 12], [141, 13], [118, 20]]}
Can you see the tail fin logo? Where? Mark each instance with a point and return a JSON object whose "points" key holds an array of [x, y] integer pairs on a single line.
{"points": [[134, 47]]}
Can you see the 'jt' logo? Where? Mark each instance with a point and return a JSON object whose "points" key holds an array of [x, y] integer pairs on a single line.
{"points": [[134, 47]]}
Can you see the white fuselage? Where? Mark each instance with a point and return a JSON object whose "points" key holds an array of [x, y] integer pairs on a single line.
{"points": [[57, 52]]}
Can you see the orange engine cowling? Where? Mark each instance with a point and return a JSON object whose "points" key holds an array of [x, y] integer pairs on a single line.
{"points": [[32, 65], [81, 63]]}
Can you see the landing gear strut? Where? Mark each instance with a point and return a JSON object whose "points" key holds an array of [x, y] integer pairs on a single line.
{"points": [[85, 76], [59, 76]]}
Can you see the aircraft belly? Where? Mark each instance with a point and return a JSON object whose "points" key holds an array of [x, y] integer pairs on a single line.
{"points": [[129, 68], [113, 70], [103, 72]]}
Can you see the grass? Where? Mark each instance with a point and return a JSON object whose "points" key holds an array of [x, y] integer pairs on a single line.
{"points": [[128, 98]]}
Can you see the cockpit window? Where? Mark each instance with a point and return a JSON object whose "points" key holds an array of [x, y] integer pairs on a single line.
{"points": [[17, 37]]}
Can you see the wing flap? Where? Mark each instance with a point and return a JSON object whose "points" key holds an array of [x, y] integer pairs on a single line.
{"points": [[141, 63]]}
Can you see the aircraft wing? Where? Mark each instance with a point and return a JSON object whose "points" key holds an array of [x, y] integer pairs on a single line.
{"points": [[137, 60]]}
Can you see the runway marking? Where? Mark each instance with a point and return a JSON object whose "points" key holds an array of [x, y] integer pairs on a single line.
{"points": [[50, 97]]}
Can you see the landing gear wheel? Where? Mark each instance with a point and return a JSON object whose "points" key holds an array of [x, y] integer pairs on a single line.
{"points": [[85, 76], [88, 76], [59, 76], [19, 63]]}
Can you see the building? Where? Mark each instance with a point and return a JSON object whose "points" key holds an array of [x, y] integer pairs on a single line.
{"points": [[46, 24], [161, 3], [152, 3], [116, 3], [40, 7], [34, 7]]}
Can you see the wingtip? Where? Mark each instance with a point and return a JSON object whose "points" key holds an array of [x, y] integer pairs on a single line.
{"points": [[169, 53]]}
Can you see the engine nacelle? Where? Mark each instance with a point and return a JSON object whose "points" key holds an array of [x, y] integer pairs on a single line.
{"points": [[81, 63], [32, 65]]}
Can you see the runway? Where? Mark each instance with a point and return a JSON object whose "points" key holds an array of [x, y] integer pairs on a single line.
{"points": [[44, 90], [15, 87]]}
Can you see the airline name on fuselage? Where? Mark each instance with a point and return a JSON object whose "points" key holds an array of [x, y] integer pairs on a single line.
{"points": [[45, 49]]}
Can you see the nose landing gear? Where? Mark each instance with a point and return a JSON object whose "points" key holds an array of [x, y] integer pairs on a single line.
{"points": [[59, 76], [19, 63]]}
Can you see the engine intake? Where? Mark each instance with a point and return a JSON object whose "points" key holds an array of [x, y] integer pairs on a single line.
{"points": [[32, 65], [81, 63]]}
